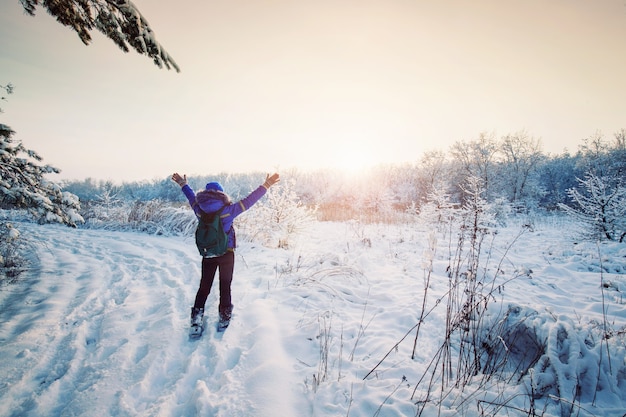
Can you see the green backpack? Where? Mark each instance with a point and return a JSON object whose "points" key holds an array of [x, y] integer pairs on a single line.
{"points": [[211, 239]]}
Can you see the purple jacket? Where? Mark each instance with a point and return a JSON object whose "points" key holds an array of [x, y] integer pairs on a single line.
{"points": [[212, 201]]}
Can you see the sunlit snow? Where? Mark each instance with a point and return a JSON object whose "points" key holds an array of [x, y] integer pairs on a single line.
{"points": [[99, 326]]}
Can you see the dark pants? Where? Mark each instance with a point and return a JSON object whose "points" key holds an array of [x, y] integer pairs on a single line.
{"points": [[226, 264]]}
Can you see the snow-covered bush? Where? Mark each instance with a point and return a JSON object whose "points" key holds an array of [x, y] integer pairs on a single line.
{"points": [[12, 264], [540, 359], [437, 213], [154, 217], [277, 218], [162, 218], [600, 208]]}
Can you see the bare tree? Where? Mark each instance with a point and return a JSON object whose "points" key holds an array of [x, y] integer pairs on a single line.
{"points": [[620, 140], [522, 154], [477, 158], [431, 176], [618, 156], [594, 155]]}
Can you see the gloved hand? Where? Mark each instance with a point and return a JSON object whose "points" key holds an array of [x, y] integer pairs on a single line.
{"points": [[182, 181], [271, 180]]}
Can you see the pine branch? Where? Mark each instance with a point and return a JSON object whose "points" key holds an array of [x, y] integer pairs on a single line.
{"points": [[118, 20]]}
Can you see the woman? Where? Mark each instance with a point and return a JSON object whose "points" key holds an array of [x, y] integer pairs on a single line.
{"points": [[211, 200]]}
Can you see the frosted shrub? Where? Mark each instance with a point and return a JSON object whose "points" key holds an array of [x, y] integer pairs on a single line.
{"points": [[12, 264], [177, 220], [552, 357], [104, 216], [105, 211], [277, 218], [146, 216], [154, 216], [439, 212], [601, 208]]}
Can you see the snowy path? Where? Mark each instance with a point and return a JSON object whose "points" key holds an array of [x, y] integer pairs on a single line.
{"points": [[100, 326], [102, 330]]}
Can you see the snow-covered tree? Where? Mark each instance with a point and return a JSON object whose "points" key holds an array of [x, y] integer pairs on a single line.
{"points": [[604, 158], [521, 154], [8, 89], [601, 208], [432, 175], [557, 174], [23, 184], [476, 158], [118, 20]]}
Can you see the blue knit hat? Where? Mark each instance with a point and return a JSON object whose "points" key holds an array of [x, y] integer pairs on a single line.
{"points": [[216, 186]]}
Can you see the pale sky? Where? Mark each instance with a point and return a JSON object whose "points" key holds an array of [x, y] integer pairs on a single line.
{"points": [[274, 84]]}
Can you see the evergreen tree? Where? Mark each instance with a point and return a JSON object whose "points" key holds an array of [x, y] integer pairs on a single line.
{"points": [[118, 20], [23, 185], [8, 89]]}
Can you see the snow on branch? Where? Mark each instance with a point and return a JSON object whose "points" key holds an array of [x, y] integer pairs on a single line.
{"points": [[118, 20], [23, 185], [601, 207]]}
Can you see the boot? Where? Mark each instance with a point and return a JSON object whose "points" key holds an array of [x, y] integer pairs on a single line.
{"points": [[225, 315], [197, 315]]}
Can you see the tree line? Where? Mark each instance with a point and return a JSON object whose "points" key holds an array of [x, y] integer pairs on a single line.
{"points": [[511, 170]]}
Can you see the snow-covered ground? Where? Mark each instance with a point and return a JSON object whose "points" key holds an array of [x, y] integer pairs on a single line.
{"points": [[98, 327]]}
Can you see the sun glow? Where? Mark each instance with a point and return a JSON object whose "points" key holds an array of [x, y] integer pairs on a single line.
{"points": [[352, 161]]}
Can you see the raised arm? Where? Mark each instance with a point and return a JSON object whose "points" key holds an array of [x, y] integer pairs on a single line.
{"points": [[271, 180], [182, 181], [185, 188]]}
